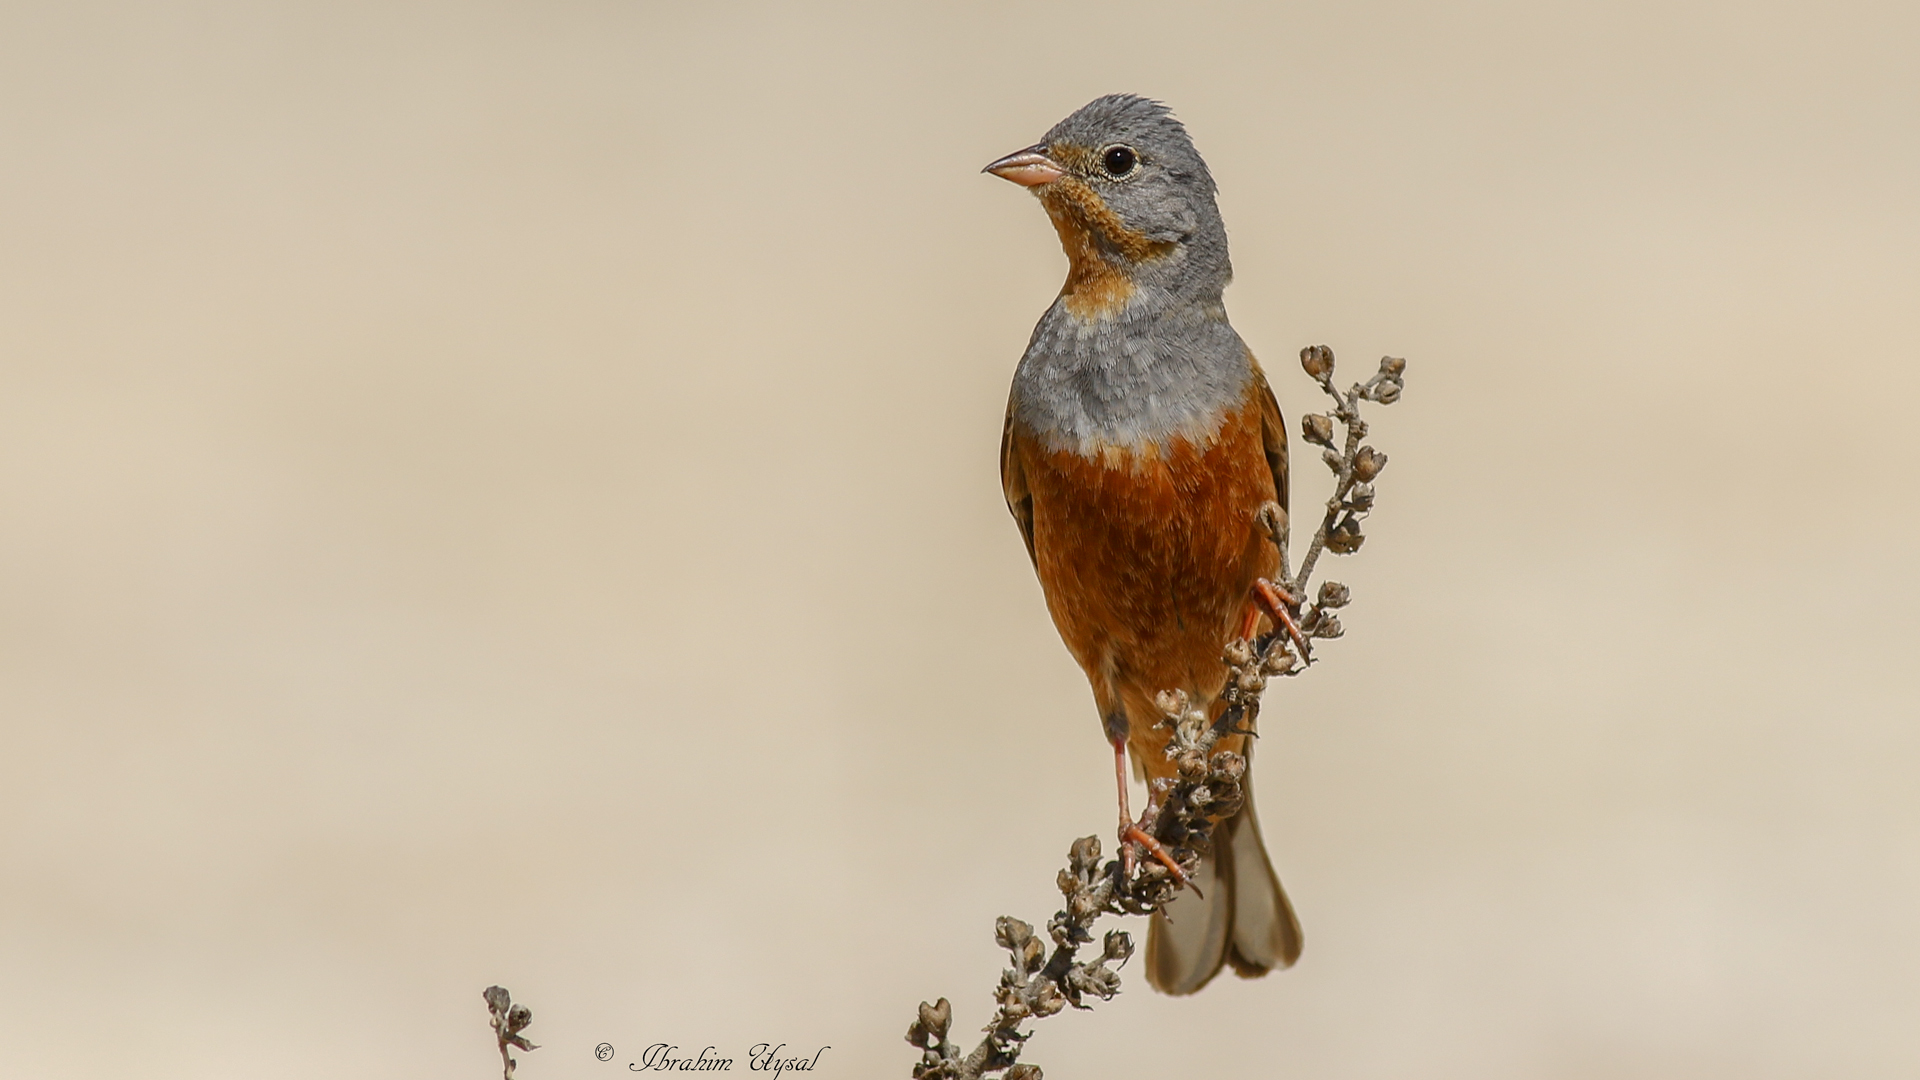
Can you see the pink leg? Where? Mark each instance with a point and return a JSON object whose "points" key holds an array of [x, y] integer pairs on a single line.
{"points": [[1132, 834], [1279, 604]]}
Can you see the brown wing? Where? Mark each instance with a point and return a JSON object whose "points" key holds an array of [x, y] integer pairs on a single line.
{"points": [[1013, 483], [1273, 435]]}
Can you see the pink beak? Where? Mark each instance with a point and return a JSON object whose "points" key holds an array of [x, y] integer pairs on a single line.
{"points": [[1028, 168]]}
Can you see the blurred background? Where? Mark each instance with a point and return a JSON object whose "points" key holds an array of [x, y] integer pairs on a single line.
{"points": [[507, 493]]}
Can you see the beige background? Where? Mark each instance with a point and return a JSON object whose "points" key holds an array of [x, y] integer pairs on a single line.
{"points": [[506, 493]]}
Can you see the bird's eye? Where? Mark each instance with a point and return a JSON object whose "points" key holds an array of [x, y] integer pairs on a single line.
{"points": [[1119, 161]]}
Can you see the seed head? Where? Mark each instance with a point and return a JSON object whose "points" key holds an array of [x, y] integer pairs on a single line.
{"points": [[1011, 933], [1317, 428], [1317, 361], [1368, 463], [935, 1018], [1345, 538]]}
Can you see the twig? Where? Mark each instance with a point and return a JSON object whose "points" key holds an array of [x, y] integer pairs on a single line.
{"points": [[1354, 467], [508, 1021], [1038, 984]]}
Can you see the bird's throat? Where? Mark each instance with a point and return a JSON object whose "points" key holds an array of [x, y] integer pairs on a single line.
{"points": [[1100, 250]]}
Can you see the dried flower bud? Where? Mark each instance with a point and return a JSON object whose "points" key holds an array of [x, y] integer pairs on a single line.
{"points": [[1368, 463], [1047, 998], [1033, 955], [1251, 683], [1117, 947], [1317, 361], [1171, 703], [1387, 392], [1329, 627], [1099, 980], [1068, 882], [1334, 595], [1317, 429], [1011, 933], [1085, 854], [1278, 662], [1190, 727], [498, 1000], [1023, 1071], [1060, 929], [518, 1018], [1272, 517], [1228, 768], [1332, 460], [1392, 365], [1360, 497], [935, 1018], [1345, 538], [1192, 765], [1237, 652], [1081, 908], [1198, 796]]}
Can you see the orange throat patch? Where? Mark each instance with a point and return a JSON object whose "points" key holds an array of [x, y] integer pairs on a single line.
{"points": [[1096, 242]]}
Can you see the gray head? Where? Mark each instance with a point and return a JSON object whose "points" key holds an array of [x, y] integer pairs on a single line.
{"points": [[1122, 182]]}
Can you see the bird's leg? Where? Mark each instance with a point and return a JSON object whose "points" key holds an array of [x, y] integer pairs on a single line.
{"points": [[1126, 815], [1131, 834], [1280, 604], [1249, 623]]}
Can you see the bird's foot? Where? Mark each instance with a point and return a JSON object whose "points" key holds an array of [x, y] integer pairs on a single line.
{"points": [[1137, 837], [1134, 838], [1280, 604]]}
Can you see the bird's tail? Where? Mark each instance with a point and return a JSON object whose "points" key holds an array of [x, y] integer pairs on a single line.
{"points": [[1244, 918]]}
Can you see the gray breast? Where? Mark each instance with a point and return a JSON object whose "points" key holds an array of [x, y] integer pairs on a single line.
{"points": [[1142, 376]]}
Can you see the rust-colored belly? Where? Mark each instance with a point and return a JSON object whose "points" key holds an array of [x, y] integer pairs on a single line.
{"points": [[1146, 556]]}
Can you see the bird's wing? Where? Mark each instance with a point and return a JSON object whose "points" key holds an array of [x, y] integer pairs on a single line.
{"points": [[1273, 435], [1013, 483]]}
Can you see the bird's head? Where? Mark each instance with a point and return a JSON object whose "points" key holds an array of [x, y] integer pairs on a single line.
{"points": [[1132, 201]]}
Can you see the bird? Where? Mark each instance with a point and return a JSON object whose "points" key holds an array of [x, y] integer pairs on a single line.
{"points": [[1140, 444]]}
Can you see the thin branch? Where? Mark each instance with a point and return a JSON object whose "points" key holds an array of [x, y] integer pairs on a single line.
{"points": [[1039, 982], [1354, 466], [508, 1021]]}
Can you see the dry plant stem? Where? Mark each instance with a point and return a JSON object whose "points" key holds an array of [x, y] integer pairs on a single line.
{"points": [[508, 1021], [1206, 789], [1041, 982], [1349, 468]]}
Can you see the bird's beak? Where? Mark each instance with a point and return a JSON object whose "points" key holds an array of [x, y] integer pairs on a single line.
{"points": [[1028, 168]]}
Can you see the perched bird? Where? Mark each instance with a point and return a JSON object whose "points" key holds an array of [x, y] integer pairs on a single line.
{"points": [[1141, 441]]}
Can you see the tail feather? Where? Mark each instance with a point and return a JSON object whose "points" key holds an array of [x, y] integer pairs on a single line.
{"points": [[1244, 919], [1266, 933], [1187, 939]]}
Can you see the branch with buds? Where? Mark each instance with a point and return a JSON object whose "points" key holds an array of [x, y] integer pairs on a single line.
{"points": [[1040, 982], [1206, 788], [509, 1020], [1354, 465]]}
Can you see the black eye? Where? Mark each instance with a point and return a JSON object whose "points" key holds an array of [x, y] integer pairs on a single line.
{"points": [[1119, 161]]}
